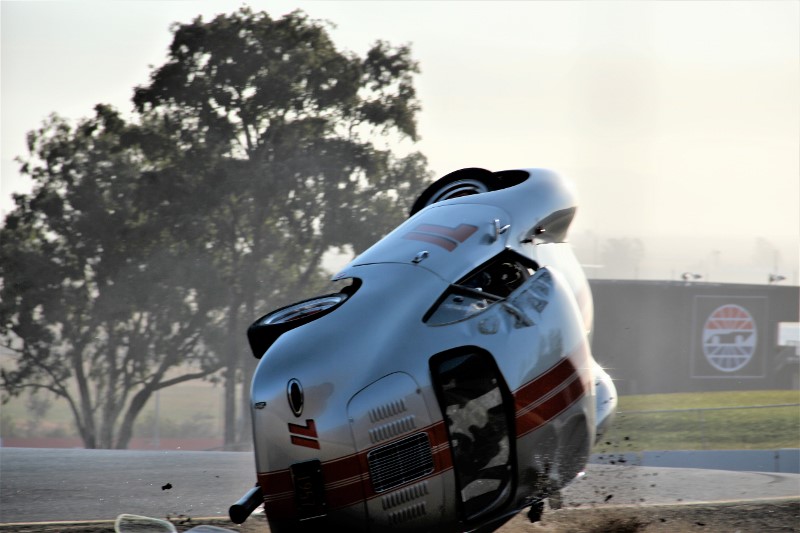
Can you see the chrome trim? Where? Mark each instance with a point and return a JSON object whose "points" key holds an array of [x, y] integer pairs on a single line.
{"points": [[295, 404]]}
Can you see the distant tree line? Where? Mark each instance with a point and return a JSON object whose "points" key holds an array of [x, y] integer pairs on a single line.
{"points": [[151, 243]]}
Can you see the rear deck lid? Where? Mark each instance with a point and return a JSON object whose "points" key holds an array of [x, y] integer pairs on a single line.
{"points": [[449, 240]]}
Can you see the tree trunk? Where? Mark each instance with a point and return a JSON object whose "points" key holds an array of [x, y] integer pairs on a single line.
{"points": [[230, 374], [88, 427], [109, 411], [126, 428], [248, 369]]}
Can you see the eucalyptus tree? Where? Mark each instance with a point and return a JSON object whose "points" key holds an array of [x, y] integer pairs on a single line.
{"points": [[284, 145], [97, 301]]}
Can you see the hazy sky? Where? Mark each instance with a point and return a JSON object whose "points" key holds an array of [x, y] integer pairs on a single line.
{"points": [[676, 120]]}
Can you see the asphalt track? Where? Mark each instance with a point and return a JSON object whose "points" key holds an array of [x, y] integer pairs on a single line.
{"points": [[40, 485]]}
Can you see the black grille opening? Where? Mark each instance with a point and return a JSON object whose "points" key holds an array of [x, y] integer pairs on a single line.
{"points": [[399, 462]]}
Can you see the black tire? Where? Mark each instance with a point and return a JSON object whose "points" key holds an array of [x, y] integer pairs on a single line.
{"points": [[266, 330], [464, 182]]}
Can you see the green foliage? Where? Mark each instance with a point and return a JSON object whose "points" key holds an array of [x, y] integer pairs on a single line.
{"points": [[769, 428], [93, 289], [277, 131], [151, 244]]}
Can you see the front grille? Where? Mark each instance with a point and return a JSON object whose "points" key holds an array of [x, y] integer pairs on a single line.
{"points": [[400, 462]]}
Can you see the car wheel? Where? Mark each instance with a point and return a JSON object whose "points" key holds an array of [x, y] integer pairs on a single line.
{"points": [[464, 182]]}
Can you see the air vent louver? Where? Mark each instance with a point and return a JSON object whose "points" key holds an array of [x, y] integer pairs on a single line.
{"points": [[387, 410], [392, 429], [405, 495], [409, 513]]}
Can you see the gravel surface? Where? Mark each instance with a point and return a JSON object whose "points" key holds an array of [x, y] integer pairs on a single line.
{"points": [[757, 517]]}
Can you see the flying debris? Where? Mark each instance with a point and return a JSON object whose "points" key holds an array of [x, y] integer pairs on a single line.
{"points": [[449, 385]]}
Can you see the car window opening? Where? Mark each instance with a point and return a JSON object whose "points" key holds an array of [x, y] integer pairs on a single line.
{"points": [[492, 282]]}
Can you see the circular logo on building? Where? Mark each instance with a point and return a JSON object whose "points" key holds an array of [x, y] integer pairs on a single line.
{"points": [[729, 338]]}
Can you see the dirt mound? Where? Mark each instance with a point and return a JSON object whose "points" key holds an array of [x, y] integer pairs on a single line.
{"points": [[747, 517]]}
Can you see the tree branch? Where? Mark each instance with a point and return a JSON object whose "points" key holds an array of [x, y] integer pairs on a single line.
{"points": [[188, 377]]}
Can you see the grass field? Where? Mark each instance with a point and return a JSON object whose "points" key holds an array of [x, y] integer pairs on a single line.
{"points": [[195, 409], [777, 427]]}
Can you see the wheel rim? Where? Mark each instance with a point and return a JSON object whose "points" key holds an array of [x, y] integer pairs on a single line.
{"points": [[465, 187]]}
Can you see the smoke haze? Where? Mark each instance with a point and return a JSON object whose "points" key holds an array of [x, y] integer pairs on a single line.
{"points": [[678, 122]]}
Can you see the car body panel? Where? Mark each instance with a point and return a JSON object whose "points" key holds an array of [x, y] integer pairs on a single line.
{"points": [[428, 402]]}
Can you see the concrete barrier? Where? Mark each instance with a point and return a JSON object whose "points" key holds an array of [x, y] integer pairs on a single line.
{"points": [[786, 460]]}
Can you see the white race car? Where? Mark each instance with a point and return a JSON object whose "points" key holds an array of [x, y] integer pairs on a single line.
{"points": [[449, 385]]}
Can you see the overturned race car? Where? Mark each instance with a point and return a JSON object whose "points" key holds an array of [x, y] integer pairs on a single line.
{"points": [[450, 384]]}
